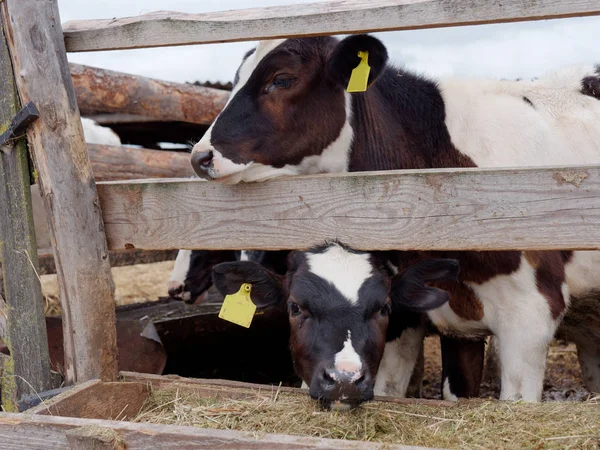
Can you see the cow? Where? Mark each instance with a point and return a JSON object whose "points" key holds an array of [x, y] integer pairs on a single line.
{"points": [[343, 307], [289, 114], [191, 278]]}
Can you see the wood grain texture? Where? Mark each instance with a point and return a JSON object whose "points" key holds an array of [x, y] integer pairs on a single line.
{"points": [[165, 28], [111, 163], [98, 400], [33, 432], [65, 177], [25, 326], [451, 209], [102, 91]]}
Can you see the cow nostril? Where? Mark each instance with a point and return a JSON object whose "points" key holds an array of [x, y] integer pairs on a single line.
{"points": [[361, 379], [328, 378], [201, 161]]}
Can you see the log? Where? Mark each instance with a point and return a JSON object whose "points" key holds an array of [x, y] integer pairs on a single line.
{"points": [[36, 45], [22, 323], [449, 209], [103, 91], [111, 163], [168, 28]]}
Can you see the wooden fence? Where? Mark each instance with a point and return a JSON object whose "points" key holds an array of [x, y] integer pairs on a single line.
{"points": [[445, 209]]}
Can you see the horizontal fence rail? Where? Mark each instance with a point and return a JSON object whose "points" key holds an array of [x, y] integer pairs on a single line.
{"points": [[450, 209], [167, 28]]}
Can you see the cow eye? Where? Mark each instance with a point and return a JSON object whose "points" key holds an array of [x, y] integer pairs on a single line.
{"points": [[295, 309], [280, 82], [385, 311]]}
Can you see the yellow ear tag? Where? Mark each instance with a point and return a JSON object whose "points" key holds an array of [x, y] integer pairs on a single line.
{"points": [[238, 308], [360, 74]]}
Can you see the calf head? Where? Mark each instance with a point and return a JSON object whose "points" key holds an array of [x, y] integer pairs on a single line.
{"points": [[339, 303], [288, 113]]}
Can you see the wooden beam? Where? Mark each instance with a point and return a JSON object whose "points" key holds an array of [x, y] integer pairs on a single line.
{"points": [[33, 431], [23, 319], [36, 44], [103, 91], [451, 209], [165, 28], [110, 163]]}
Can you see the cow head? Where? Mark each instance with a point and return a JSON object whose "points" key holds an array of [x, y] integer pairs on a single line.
{"points": [[288, 113], [339, 303]]}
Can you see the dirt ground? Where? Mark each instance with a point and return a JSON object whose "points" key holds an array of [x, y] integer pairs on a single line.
{"points": [[562, 382], [140, 283]]}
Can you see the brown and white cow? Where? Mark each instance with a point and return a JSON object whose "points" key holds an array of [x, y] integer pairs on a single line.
{"points": [[289, 114], [343, 307]]}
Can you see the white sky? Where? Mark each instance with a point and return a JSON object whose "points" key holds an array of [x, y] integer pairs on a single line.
{"points": [[514, 50]]}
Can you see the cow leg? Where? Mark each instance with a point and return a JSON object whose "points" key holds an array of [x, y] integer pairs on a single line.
{"points": [[415, 386], [588, 353], [523, 353], [462, 367], [398, 363]]}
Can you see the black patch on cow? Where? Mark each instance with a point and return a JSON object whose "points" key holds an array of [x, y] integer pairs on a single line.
{"points": [[529, 102], [591, 85]]}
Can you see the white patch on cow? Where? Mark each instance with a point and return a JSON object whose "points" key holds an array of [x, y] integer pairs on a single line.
{"points": [[398, 363], [181, 269], [304, 385], [244, 255], [490, 122], [245, 71], [520, 317], [97, 134], [347, 360], [447, 392], [345, 270], [582, 272]]}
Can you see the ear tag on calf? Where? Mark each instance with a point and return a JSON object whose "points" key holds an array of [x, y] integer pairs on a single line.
{"points": [[238, 308], [360, 74]]}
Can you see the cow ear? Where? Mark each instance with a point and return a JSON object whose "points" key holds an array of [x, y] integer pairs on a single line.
{"points": [[408, 289], [267, 287], [344, 58]]}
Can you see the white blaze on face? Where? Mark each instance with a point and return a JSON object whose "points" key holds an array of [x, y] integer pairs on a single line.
{"points": [[246, 69], [345, 270], [347, 360]]}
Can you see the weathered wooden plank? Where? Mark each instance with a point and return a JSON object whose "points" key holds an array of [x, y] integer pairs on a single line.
{"points": [[110, 163], [25, 327], [102, 91], [98, 400], [451, 209], [33, 431], [36, 44], [165, 28]]}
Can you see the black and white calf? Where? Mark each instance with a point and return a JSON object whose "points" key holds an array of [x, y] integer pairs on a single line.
{"points": [[289, 114], [191, 278], [343, 307]]}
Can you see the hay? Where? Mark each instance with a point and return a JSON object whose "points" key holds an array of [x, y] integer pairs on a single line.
{"points": [[468, 424], [133, 284]]}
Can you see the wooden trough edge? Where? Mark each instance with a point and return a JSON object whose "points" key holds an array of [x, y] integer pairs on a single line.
{"points": [[18, 431], [168, 28], [547, 208], [96, 413]]}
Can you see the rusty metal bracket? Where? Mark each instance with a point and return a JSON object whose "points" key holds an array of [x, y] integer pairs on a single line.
{"points": [[18, 125]]}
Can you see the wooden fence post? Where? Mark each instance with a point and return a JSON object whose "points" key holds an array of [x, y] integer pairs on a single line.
{"points": [[35, 41], [23, 326]]}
